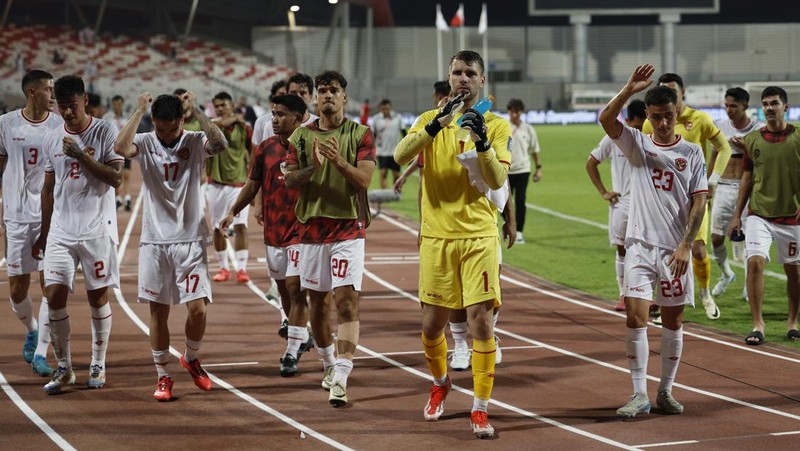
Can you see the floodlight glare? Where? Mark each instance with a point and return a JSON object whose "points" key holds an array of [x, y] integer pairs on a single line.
{"points": [[294, 8]]}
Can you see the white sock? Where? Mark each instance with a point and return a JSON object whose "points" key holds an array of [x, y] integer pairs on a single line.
{"points": [[101, 329], [620, 270], [297, 336], [638, 351], [60, 332], [671, 349], [127, 198], [459, 332], [326, 353], [241, 259], [119, 199], [480, 404], [44, 328], [721, 254], [192, 351], [24, 311], [161, 359], [222, 257], [343, 368]]}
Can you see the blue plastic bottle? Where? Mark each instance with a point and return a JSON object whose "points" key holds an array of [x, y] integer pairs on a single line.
{"points": [[483, 105]]}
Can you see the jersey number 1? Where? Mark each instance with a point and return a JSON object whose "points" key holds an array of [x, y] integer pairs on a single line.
{"points": [[170, 168]]}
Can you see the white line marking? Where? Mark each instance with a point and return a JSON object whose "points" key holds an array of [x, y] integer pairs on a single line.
{"points": [[605, 227], [778, 434], [366, 357], [2, 262], [33, 416], [251, 400], [654, 445], [212, 365], [607, 311]]}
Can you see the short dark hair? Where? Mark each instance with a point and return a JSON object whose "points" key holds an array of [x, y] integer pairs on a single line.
{"points": [[292, 103], [167, 108], [301, 79], [637, 108], [516, 105], [273, 90], [775, 91], [469, 57], [34, 76], [179, 92], [94, 100], [660, 95], [385, 102], [670, 77], [442, 88], [222, 95], [68, 86], [117, 97], [328, 77]]}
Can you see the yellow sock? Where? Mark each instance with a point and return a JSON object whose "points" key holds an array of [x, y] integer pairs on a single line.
{"points": [[483, 367], [436, 355], [702, 271]]}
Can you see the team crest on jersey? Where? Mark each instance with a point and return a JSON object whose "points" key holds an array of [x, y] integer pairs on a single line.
{"points": [[183, 153], [688, 125], [680, 163]]}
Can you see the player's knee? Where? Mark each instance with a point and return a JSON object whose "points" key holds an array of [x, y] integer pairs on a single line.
{"points": [[717, 240]]}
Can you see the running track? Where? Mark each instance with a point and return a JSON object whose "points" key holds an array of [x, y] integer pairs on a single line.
{"points": [[562, 377]]}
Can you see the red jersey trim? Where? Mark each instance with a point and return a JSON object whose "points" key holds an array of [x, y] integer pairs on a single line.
{"points": [[114, 160], [91, 119], [618, 134], [679, 138], [715, 134], [595, 159], [698, 192], [22, 112], [781, 220]]}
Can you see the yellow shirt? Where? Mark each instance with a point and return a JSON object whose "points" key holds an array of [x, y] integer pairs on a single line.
{"points": [[451, 207]]}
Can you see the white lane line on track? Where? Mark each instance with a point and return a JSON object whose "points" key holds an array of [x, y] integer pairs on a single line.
{"points": [[212, 365], [2, 262], [598, 225], [220, 382], [656, 445], [397, 353], [33, 416], [606, 311], [778, 434]]}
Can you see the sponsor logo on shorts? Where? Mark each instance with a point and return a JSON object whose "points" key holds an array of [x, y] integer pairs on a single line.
{"points": [[151, 292], [14, 265], [18, 139], [56, 273], [680, 163], [436, 296], [311, 281], [637, 289]]}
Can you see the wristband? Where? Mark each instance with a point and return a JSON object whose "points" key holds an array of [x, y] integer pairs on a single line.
{"points": [[482, 146], [538, 166], [433, 127]]}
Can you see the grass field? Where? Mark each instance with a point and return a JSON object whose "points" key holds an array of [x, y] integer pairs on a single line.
{"points": [[578, 255]]}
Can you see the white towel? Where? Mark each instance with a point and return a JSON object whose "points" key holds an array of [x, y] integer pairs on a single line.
{"points": [[469, 160]]}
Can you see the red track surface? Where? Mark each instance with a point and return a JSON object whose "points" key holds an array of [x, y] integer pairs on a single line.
{"points": [[563, 375]]}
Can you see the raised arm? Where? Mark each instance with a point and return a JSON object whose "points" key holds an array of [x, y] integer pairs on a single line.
{"points": [[494, 172], [216, 139], [124, 143], [413, 143], [638, 81]]}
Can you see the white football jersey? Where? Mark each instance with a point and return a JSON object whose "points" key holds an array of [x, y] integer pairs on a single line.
{"points": [[84, 205], [663, 179], [173, 201], [620, 170], [21, 143], [730, 132]]}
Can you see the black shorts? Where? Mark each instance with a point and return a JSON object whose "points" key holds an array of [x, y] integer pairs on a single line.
{"points": [[388, 163], [127, 164]]}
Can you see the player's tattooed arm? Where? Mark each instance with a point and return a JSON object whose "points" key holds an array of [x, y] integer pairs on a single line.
{"points": [[216, 139], [295, 176]]}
